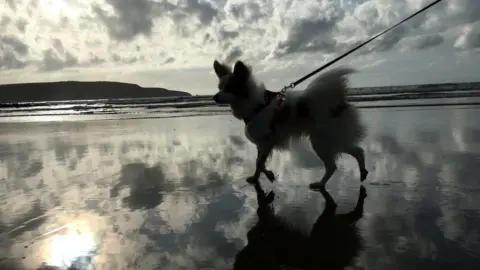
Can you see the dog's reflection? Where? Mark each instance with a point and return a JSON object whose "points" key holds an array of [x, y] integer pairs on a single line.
{"points": [[334, 241]]}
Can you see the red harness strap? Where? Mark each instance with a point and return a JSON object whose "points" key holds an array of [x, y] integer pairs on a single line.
{"points": [[269, 97], [278, 107], [280, 101]]}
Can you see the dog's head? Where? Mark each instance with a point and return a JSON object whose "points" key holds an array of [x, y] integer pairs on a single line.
{"points": [[238, 89], [233, 87]]}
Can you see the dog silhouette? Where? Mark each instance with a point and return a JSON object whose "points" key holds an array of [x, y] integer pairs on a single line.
{"points": [[333, 243]]}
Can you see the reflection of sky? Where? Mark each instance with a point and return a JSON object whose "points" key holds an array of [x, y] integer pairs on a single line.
{"points": [[170, 193]]}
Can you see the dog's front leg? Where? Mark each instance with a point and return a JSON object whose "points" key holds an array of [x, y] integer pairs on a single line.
{"points": [[263, 153], [269, 174]]}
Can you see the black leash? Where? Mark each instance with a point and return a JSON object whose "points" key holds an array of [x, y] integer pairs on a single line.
{"points": [[297, 82]]}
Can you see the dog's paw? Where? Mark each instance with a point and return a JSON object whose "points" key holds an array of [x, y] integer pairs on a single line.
{"points": [[270, 176], [363, 175], [270, 197], [317, 186], [252, 180]]}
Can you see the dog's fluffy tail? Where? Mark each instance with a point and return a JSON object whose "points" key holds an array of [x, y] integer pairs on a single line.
{"points": [[331, 86], [328, 91]]}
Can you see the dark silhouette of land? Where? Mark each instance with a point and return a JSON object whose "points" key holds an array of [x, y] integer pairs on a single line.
{"points": [[75, 90], [333, 243]]}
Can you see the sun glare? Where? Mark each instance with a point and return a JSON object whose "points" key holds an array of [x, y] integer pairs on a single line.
{"points": [[72, 248]]}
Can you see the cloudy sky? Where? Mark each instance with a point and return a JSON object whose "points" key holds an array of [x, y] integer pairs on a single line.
{"points": [[172, 43]]}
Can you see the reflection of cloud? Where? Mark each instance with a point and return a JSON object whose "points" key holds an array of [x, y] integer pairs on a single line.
{"points": [[67, 152], [5, 151], [12, 228], [22, 160], [29, 221], [146, 185], [472, 136], [105, 148], [186, 204], [433, 201], [428, 137]]}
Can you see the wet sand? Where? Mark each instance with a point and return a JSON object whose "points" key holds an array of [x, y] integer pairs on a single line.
{"points": [[171, 194]]}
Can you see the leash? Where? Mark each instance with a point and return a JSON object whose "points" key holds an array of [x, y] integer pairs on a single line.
{"points": [[297, 82]]}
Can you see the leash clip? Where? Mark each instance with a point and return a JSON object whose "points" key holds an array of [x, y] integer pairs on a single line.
{"points": [[285, 89]]}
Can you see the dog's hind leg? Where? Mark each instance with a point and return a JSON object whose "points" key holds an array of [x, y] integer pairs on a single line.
{"points": [[269, 174], [323, 223], [357, 213], [330, 168], [330, 205], [359, 154]]}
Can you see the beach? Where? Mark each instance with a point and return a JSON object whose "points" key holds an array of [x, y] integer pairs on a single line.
{"points": [[170, 193]]}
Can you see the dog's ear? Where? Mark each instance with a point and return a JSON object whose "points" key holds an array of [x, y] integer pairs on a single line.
{"points": [[240, 70], [221, 69]]}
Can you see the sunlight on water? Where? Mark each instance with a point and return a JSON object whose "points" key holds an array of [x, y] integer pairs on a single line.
{"points": [[65, 249], [74, 247], [19, 118]]}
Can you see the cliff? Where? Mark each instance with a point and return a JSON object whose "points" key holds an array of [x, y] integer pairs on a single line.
{"points": [[74, 90]]}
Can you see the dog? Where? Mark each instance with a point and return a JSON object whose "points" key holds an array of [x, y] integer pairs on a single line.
{"points": [[320, 112], [334, 242]]}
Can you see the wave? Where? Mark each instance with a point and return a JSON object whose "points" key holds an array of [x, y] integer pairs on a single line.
{"points": [[202, 105]]}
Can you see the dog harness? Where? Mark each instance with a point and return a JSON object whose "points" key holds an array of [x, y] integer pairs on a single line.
{"points": [[268, 96], [261, 124]]}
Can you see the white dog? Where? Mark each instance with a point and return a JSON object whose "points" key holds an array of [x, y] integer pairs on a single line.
{"points": [[320, 112]]}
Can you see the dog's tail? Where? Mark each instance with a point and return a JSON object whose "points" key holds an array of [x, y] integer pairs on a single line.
{"points": [[331, 86]]}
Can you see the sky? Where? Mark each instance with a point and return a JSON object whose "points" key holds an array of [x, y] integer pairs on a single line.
{"points": [[172, 43]]}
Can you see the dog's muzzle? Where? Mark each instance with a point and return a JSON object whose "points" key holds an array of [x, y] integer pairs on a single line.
{"points": [[215, 98]]}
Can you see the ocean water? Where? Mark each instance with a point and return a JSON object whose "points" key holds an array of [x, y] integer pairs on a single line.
{"points": [[162, 186], [204, 105]]}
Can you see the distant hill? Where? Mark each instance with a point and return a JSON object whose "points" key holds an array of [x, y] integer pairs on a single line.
{"points": [[74, 90]]}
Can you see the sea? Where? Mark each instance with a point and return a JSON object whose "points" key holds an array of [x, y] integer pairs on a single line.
{"points": [[167, 107]]}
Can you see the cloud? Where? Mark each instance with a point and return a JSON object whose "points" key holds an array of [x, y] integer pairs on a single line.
{"points": [[233, 55], [248, 11], [54, 61], [11, 4], [463, 11], [146, 35], [57, 57], [8, 60], [14, 43], [11, 49], [131, 18], [308, 36], [4, 21], [423, 42], [21, 24], [469, 38]]}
